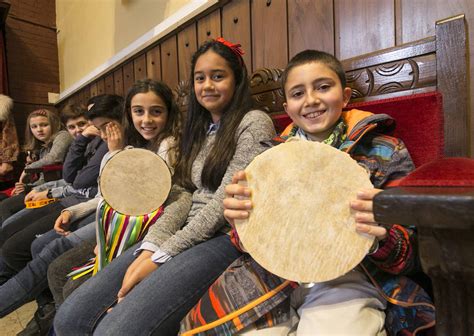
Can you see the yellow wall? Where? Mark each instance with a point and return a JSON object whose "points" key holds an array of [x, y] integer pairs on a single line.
{"points": [[92, 31]]}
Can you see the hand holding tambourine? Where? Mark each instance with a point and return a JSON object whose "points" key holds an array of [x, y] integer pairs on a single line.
{"points": [[301, 226]]}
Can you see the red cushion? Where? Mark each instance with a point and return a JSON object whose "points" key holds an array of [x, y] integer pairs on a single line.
{"points": [[447, 172], [419, 120]]}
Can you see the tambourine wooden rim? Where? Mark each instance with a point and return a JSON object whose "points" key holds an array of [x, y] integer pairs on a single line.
{"points": [[301, 227], [135, 181]]}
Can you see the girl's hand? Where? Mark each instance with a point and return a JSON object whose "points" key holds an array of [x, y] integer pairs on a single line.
{"points": [[114, 136], [237, 199], [136, 272], [19, 188], [62, 223], [34, 195], [365, 221]]}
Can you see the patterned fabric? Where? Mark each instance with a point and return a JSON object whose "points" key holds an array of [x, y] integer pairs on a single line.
{"points": [[245, 290], [115, 233], [409, 309]]}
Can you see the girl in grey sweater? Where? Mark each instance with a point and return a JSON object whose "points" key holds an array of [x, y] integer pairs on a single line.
{"points": [[155, 284]]}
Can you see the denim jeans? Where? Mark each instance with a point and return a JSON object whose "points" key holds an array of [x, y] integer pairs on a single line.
{"points": [[15, 216], [31, 281], [156, 305]]}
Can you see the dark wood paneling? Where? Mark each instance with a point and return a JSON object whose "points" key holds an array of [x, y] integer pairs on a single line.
{"points": [[153, 63], [86, 94], [128, 77], [310, 26], [269, 34], [93, 89], [363, 26], [169, 62], [209, 27], [118, 82], [100, 86], [109, 83], [415, 22], [139, 65], [187, 45], [39, 12], [236, 27]]}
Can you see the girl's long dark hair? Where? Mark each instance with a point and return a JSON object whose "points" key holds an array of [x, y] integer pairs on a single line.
{"points": [[173, 120], [198, 119]]}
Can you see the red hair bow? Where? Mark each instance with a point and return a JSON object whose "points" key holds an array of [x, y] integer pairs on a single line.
{"points": [[235, 47]]}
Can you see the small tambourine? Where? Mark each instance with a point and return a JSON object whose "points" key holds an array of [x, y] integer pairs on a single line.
{"points": [[301, 227], [40, 203], [135, 182]]}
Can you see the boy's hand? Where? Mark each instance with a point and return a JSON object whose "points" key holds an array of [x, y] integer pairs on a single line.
{"points": [[114, 136], [91, 131], [365, 221], [136, 272], [34, 195], [62, 223], [236, 201]]}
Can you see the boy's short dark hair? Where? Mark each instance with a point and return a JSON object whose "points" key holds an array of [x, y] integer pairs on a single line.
{"points": [[107, 106], [310, 56], [93, 100], [72, 111]]}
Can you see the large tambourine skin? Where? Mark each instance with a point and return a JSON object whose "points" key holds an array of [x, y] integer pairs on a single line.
{"points": [[135, 182], [301, 227]]}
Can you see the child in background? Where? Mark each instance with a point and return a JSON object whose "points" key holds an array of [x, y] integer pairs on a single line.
{"points": [[315, 90], [46, 143], [156, 282]]}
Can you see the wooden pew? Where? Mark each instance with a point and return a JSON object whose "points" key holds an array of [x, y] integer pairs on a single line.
{"points": [[432, 68]]}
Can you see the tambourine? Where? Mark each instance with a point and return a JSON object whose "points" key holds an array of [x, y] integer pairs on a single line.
{"points": [[301, 227], [40, 203], [134, 184], [135, 181]]}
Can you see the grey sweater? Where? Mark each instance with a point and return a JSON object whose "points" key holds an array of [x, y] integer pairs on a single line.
{"points": [[187, 221]]}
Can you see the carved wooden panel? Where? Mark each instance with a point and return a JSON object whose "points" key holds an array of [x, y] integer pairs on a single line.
{"points": [[408, 74], [310, 26], [182, 97], [363, 26], [100, 86], [187, 45], [269, 34], [236, 27], [109, 83], [153, 63], [128, 77], [118, 82], [266, 89], [169, 62], [209, 27], [93, 89], [139, 67]]}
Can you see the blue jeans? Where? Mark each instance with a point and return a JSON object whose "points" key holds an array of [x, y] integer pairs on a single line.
{"points": [[31, 281], [154, 306]]}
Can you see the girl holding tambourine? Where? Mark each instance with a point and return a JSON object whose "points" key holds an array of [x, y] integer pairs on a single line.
{"points": [[185, 250]]}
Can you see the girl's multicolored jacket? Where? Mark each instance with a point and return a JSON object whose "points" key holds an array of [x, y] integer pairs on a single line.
{"points": [[247, 294]]}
